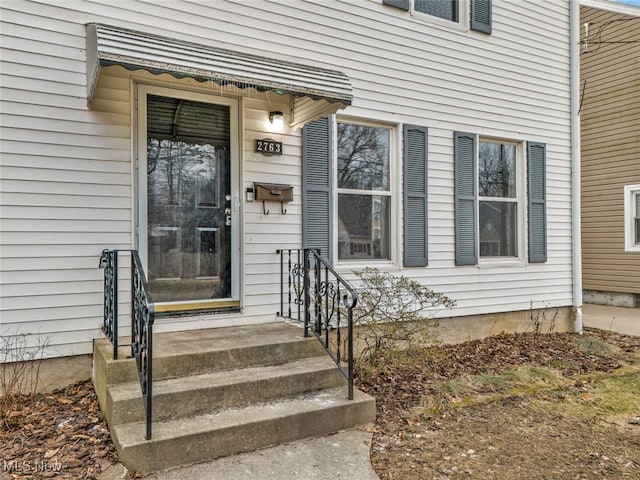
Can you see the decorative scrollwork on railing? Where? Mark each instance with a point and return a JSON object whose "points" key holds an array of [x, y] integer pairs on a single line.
{"points": [[327, 301], [109, 263], [327, 289], [324, 301], [142, 317], [297, 274]]}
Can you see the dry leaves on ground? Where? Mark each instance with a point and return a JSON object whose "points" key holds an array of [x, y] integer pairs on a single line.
{"points": [[61, 434], [64, 435], [558, 425]]}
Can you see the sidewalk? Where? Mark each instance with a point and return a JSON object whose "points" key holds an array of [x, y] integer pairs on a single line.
{"points": [[344, 455], [617, 319]]}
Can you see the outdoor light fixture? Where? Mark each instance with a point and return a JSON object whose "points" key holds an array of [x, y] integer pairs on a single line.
{"points": [[276, 119]]}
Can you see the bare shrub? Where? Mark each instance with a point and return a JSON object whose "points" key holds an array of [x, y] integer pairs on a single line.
{"points": [[19, 373], [393, 316], [543, 317]]}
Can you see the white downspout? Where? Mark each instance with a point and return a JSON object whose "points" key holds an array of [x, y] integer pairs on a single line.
{"points": [[576, 238]]}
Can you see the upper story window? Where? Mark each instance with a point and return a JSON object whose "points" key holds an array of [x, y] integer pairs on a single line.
{"points": [[446, 9], [632, 218], [364, 192], [479, 12]]}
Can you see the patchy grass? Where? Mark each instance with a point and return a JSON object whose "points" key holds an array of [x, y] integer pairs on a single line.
{"points": [[560, 407], [593, 345]]}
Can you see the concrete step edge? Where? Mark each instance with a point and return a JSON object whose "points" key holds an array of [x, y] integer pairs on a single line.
{"points": [[188, 362], [218, 390], [231, 431]]}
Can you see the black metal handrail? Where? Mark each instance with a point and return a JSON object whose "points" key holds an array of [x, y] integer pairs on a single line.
{"points": [[321, 299], [142, 318], [109, 263]]}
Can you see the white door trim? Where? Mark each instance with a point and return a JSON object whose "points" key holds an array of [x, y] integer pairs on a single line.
{"points": [[140, 180]]}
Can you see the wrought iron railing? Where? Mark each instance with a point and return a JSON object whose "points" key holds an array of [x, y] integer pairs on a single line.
{"points": [[142, 318], [313, 293], [109, 263]]}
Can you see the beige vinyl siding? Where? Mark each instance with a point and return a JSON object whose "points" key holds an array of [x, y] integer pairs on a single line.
{"points": [[610, 149], [67, 178]]}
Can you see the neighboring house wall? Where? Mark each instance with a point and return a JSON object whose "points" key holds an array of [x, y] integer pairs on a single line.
{"points": [[610, 117], [67, 176]]}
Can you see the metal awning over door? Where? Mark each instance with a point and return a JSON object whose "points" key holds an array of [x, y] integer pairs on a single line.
{"points": [[316, 92]]}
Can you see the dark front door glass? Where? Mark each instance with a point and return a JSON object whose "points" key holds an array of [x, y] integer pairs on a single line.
{"points": [[188, 221]]}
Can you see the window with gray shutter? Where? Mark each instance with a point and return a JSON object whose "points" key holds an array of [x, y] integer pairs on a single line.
{"points": [[481, 15], [316, 186], [415, 196], [481, 10], [465, 191], [536, 160]]}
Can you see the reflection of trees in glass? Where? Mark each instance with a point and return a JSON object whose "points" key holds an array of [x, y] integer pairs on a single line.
{"points": [[497, 170], [363, 157], [176, 164], [498, 217]]}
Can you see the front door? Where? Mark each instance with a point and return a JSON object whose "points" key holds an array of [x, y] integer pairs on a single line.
{"points": [[187, 206]]}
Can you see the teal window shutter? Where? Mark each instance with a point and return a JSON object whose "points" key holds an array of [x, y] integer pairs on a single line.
{"points": [[415, 196], [537, 200], [481, 15], [316, 186], [465, 192]]}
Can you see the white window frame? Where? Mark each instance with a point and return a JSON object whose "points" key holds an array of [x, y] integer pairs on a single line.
{"points": [[461, 24], [520, 200], [394, 238], [630, 214]]}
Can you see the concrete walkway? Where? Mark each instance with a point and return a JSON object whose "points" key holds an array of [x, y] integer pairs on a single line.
{"points": [[616, 319], [344, 455]]}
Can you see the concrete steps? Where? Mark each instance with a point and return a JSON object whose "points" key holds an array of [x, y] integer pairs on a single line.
{"points": [[220, 392]]}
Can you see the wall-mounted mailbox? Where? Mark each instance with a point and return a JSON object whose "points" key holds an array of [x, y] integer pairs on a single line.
{"points": [[273, 192]]}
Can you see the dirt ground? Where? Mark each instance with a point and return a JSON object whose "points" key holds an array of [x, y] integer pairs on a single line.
{"points": [[520, 406], [512, 407]]}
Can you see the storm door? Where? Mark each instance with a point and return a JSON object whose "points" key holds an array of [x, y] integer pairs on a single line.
{"points": [[188, 199]]}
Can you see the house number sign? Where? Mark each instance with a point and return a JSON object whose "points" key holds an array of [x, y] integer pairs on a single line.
{"points": [[267, 146]]}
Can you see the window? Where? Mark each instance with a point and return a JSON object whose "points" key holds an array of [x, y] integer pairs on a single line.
{"points": [[446, 9], [449, 10], [636, 218], [632, 218], [490, 197], [364, 192], [498, 200], [363, 176]]}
